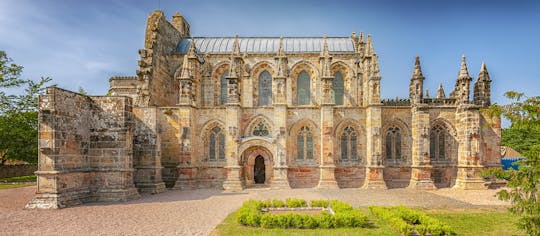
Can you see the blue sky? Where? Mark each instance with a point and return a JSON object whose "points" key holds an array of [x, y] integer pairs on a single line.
{"points": [[83, 43]]}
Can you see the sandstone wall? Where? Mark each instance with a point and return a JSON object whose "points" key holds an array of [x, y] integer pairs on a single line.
{"points": [[160, 40], [84, 149]]}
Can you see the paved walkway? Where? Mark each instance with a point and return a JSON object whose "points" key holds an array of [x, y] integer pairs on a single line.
{"points": [[197, 212]]}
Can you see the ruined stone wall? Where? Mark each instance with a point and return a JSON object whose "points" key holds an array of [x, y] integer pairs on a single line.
{"points": [[123, 86], [84, 149], [156, 69], [490, 145], [147, 150]]}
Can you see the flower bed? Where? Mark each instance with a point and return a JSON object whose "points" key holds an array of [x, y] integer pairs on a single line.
{"points": [[407, 220], [333, 214]]}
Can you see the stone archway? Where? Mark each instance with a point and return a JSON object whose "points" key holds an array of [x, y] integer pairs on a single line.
{"points": [[258, 165]]}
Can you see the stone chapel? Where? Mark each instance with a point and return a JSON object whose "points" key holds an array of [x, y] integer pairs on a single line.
{"points": [[277, 112]]}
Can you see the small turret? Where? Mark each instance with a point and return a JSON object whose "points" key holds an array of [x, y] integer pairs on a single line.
{"points": [[440, 92], [462, 88], [416, 86], [482, 88], [426, 95]]}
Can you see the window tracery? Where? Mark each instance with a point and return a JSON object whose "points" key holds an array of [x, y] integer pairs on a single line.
{"points": [[393, 144], [304, 144], [339, 87], [349, 144], [303, 87], [216, 141], [265, 88]]}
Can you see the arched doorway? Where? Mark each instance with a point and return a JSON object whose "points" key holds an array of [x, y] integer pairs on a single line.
{"points": [[259, 174], [257, 165]]}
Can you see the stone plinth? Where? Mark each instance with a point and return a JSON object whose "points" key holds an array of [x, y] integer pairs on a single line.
{"points": [[280, 180], [374, 178], [233, 181], [328, 179], [421, 178]]}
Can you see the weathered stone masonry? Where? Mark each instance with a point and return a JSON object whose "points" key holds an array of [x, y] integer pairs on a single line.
{"points": [[238, 112]]}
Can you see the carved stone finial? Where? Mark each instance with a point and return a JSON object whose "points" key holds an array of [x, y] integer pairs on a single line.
{"points": [[281, 49], [369, 49], [427, 94], [236, 46], [440, 92], [185, 72], [324, 52], [192, 52], [417, 73], [463, 72]]}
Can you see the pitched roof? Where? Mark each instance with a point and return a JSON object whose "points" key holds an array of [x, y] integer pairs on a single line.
{"points": [[267, 45]]}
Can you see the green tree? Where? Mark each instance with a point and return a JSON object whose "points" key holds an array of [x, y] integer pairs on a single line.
{"points": [[524, 136], [18, 113]]}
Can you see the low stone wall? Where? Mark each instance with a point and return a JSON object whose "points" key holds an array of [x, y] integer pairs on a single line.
{"points": [[17, 170]]}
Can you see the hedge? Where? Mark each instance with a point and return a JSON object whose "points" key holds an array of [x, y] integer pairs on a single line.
{"points": [[403, 219], [250, 214]]}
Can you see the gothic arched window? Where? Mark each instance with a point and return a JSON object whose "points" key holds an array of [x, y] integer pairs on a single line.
{"points": [[303, 86], [339, 88], [223, 84], [304, 144], [265, 89], [216, 144], [261, 130], [349, 144], [393, 143], [437, 147]]}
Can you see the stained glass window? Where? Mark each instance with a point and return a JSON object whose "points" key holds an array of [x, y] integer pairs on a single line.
{"points": [[349, 144], [265, 89], [223, 83], [261, 130], [393, 143], [303, 88], [437, 145], [339, 88], [216, 144], [304, 144]]}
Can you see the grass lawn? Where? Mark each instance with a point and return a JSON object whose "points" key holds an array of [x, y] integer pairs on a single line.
{"points": [[6, 186], [27, 178], [464, 222], [478, 221]]}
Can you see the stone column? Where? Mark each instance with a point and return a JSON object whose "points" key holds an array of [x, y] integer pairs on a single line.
{"points": [[327, 179], [421, 168], [187, 167], [280, 179], [234, 170], [147, 155], [374, 163], [469, 163]]}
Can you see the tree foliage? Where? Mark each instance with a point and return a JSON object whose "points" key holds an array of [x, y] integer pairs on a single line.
{"points": [[524, 136], [18, 112]]}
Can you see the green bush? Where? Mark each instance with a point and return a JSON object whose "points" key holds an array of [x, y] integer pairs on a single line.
{"points": [[250, 214], [326, 220], [403, 219], [339, 206], [278, 203], [295, 203], [391, 218], [319, 203]]}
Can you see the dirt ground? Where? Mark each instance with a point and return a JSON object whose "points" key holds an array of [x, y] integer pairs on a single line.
{"points": [[197, 212]]}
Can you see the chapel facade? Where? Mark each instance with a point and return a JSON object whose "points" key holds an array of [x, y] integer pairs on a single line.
{"points": [[242, 112]]}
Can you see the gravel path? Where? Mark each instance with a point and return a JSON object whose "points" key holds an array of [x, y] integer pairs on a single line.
{"points": [[197, 212]]}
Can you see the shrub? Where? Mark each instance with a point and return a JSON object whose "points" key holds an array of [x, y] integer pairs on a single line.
{"points": [[294, 202], [326, 221], [278, 203], [402, 218], [319, 203], [250, 214], [339, 206]]}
